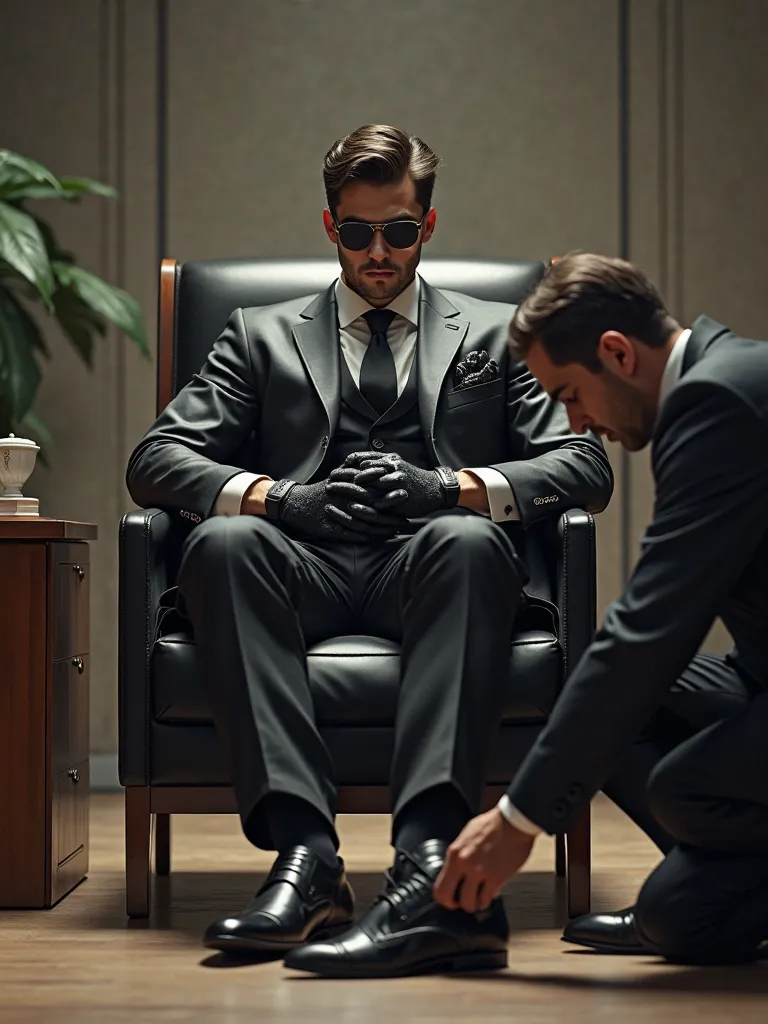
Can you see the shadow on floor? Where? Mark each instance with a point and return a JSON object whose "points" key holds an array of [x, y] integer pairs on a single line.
{"points": [[741, 979]]}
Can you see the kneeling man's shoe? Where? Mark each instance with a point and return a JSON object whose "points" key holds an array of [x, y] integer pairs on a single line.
{"points": [[407, 932], [301, 899], [607, 933]]}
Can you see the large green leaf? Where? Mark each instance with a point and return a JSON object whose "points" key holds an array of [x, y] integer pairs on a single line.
{"points": [[78, 321], [87, 187], [55, 252], [110, 302], [16, 170], [22, 246], [19, 372], [12, 279], [26, 190], [70, 188]]}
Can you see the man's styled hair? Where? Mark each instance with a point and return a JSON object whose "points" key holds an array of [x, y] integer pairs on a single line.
{"points": [[579, 298], [381, 155]]}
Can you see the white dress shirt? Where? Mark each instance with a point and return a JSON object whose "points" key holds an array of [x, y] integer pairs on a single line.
{"points": [[354, 338], [670, 377], [674, 367]]}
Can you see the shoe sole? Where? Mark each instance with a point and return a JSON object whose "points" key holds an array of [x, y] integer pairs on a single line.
{"points": [[606, 947], [484, 961], [238, 944]]}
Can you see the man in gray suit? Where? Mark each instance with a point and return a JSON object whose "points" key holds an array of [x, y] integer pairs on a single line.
{"points": [[597, 337], [367, 461]]}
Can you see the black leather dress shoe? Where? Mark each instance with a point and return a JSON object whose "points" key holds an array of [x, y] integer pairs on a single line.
{"points": [[607, 933], [406, 932], [301, 898]]}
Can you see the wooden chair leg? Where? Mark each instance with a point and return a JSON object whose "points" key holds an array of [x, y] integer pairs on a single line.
{"points": [[560, 856], [138, 845], [162, 844], [579, 864]]}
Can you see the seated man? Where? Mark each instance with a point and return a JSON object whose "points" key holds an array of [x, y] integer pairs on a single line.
{"points": [[364, 404]]}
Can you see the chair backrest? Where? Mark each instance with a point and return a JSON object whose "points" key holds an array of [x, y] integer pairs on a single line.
{"points": [[197, 297]]}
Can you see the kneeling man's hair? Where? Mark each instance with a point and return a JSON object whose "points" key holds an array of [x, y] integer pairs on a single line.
{"points": [[579, 298]]}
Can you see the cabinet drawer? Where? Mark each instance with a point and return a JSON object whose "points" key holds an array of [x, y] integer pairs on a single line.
{"points": [[69, 838], [70, 725], [71, 597]]}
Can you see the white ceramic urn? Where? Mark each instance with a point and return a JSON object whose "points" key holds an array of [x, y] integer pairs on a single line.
{"points": [[17, 460]]}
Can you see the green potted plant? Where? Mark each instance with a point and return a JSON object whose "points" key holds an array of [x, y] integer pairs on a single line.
{"points": [[35, 269]]}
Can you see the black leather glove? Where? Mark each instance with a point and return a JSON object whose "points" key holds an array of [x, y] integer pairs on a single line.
{"points": [[359, 499], [414, 492], [310, 509]]}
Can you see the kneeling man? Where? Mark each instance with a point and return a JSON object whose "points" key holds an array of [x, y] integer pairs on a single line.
{"points": [[598, 339]]}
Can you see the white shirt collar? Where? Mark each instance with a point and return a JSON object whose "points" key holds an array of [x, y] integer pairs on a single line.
{"points": [[351, 305], [674, 367]]}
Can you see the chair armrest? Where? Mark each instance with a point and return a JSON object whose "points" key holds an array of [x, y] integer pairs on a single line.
{"points": [[145, 573], [576, 584]]}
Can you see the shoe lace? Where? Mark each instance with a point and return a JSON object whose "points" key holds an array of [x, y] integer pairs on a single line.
{"points": [[403, 893]]}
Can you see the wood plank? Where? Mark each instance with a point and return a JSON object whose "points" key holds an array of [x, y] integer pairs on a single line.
{"points": [[23, 855], [40, 528], [138, 849], [81, 964], [166, 331]]}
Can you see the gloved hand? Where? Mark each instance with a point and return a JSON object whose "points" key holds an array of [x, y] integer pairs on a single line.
{"points": [[352, 499], [391, 482], [311, 509]]}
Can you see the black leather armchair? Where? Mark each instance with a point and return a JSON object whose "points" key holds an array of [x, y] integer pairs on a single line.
{"points": [[170, 757]]}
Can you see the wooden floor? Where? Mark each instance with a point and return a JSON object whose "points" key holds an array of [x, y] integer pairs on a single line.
{"points": [[83, 962]]}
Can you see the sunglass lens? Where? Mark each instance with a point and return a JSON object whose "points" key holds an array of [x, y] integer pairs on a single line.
{"points": [[355, 236], [401, 234]]}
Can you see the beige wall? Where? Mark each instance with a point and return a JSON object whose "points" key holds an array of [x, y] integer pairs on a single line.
{"points": [[518, 96]]}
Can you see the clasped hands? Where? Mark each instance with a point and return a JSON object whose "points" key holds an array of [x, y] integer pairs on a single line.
{"points": [[369, 495]]}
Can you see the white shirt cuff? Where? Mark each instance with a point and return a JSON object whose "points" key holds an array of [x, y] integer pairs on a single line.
{"points": [[501, 501], [231, 494], [516, 818]]}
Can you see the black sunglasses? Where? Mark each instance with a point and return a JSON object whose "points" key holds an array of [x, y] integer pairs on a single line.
{"points": [[398, 234]]}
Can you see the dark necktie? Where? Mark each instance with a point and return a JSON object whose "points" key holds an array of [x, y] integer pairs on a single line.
{"points": [[378, 377]]}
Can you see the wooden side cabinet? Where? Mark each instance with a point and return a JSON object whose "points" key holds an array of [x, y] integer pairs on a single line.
{"points": [[45, 578]]}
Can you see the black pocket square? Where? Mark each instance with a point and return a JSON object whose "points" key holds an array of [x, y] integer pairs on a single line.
{"points": [[475, 368]]}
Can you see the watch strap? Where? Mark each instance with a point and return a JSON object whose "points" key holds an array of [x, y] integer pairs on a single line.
{"points": [[450, 484], [275, 495]]}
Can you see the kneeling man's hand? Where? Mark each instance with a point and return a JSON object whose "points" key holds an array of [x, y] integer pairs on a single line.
{"points": [[487, 853]]}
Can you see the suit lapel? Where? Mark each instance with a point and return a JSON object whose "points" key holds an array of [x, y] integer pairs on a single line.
{"points": [[317, 340], [441, 335]]}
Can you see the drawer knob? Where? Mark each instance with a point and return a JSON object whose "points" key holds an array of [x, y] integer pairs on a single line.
{"points": [[79, 570], [78, 663], [74, 774]]}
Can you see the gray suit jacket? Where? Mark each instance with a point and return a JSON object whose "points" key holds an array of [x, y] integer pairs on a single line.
{"points": [[704, 554], [267, 400]]}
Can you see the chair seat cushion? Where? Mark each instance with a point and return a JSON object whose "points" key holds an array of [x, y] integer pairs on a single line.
{"points": [[354, 680]]}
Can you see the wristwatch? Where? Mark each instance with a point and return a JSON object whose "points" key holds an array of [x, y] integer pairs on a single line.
{"points": [[275, 495], [450, 484]]}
